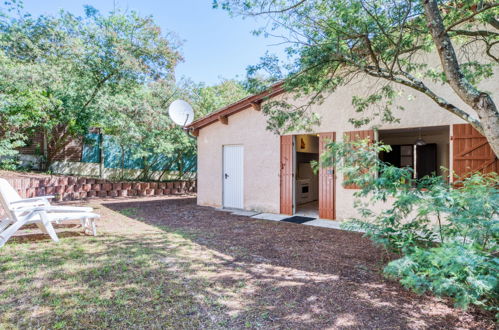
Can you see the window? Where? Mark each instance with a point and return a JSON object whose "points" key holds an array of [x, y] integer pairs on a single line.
{"points": [[400, 156]]}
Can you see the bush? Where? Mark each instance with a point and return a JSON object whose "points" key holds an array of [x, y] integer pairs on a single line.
{"points": [[447, 234], [456, 270], [10, 164]]}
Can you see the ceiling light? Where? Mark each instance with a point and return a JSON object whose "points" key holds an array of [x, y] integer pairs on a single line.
{"points": [[420, 142]]}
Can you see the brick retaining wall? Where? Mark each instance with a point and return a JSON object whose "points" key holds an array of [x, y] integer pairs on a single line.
{"points": [[75, 188]]}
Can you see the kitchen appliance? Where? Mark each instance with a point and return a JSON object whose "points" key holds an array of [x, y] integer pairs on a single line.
{"points": [[305, 171], [303, 191]]}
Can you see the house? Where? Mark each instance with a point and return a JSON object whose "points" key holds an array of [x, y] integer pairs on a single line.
{"points": [[242, 165], [33, 153]]}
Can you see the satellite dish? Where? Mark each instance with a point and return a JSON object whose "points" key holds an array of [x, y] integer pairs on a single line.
{"points": [[181, 112]]}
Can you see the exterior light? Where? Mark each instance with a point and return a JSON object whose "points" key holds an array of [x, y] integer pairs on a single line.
{"points": [[420, 142]]}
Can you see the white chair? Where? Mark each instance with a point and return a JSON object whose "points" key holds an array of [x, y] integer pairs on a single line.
{"points": [[38, 210]]}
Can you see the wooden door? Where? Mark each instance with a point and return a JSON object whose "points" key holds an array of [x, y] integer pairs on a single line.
{"points": [[287, 174], [471, 151], [327, 182]]}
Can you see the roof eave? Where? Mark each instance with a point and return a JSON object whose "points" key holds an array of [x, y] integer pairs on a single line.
{"points": [[236, 107]]}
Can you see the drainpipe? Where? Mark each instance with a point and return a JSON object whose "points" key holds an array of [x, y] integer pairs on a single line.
{"points": [[189, 132]]}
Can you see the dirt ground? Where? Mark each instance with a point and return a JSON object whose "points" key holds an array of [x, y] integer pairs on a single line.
{"points": [[20, 175], [248, 273], [305, 276]]}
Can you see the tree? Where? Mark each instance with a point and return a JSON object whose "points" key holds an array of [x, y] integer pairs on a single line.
{"points": [[210, 98], [138, 121], [334, 41], [87, 63], [23, 104], [65, 75]]}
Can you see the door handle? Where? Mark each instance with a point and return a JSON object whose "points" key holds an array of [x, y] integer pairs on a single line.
{"points": [[226, 176]]}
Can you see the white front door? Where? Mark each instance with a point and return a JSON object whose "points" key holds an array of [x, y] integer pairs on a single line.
{"points": [[232, 176]]}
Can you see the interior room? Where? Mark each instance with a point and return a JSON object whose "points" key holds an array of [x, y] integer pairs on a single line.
{"points": [[307, 182], [425, 149]]}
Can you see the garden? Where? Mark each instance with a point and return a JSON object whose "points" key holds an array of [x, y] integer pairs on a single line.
{"points": [[100, 84]]}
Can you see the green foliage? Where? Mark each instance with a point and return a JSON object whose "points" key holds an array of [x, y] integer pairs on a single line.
{"points": [[456, 270], [22, 103], [335, 43], [207, 99], [379, 104], [66, 74], [139, 122], [280, 113], [448, 234], [262, 75], [10, 164], [68, 70]]}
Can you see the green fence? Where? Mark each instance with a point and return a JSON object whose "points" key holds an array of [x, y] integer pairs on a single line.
{"points": [[116, 157]]}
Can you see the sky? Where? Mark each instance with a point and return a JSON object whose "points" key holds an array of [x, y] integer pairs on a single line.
{"points": [[215, 46]]}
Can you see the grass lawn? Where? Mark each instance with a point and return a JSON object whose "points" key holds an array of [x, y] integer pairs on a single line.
{"points": [[139, 276], [167, 263]]}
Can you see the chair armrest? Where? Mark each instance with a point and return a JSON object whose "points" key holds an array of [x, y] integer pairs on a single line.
{"points": [[55, 209], [34, 199], [30, 203]]}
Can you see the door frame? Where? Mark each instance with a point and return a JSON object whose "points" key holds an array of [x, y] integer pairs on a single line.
{"points": [[223, 174]]}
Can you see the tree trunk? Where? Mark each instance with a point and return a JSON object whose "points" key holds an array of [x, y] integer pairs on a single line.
{"points": [[479, 101], [54, 148], [489, 117], [145, 170], [43, 165], [167, 167], [180, 166]]}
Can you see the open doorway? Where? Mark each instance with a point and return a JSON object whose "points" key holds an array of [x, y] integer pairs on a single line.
{"points": [[425, 150], [306, 181]]}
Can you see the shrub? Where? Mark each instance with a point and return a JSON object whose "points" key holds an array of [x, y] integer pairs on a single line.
{"points": [[446, 234], [456, 270], [10, 164]]}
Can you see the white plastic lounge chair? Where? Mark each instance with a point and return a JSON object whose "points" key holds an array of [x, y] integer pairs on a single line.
{"points": [[38, 210]]}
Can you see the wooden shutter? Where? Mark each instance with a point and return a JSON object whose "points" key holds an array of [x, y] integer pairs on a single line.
{"points": [[357, 136], [471, 151], [286, 175], [327, 182]]}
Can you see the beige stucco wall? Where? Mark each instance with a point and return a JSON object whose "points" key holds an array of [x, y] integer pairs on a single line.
{"points": [[262, 148], [261, 161]]}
